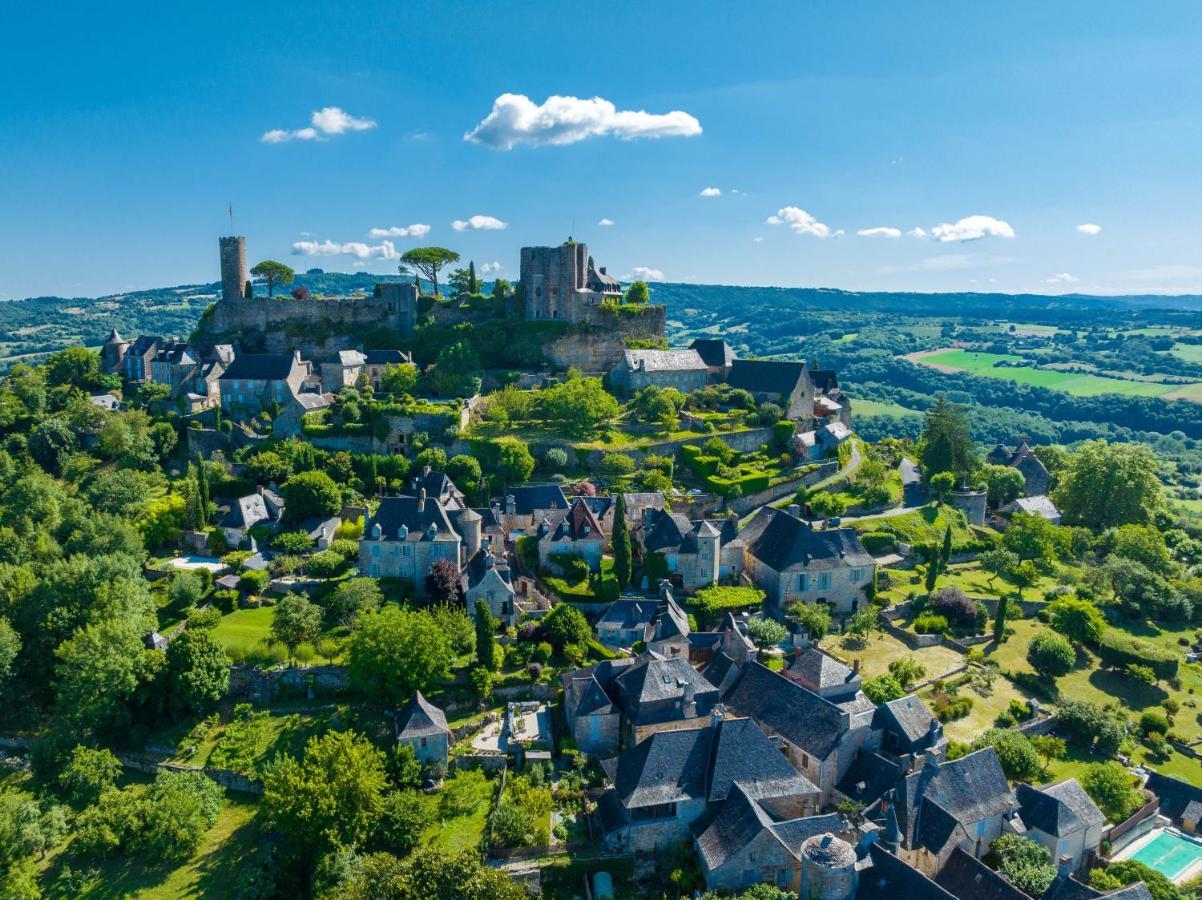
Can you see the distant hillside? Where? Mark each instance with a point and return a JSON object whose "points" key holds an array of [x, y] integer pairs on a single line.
{"points": [[766, 317]]}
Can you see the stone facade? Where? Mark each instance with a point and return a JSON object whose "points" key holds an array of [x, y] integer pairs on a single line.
{"points": [[561, 282], [234, 274]]}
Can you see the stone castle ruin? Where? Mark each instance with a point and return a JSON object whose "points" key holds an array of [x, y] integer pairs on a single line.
{"points": [[558, 284]]}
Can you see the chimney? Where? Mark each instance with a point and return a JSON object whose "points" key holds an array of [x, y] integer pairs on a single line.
{"points": [[602, 270], [794, 510], [511, 505], [421, 500], [855, 665], [426, 471], [1064, 865]]}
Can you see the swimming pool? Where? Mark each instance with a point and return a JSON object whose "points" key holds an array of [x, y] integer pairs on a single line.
{"points": [[1170, 853]]}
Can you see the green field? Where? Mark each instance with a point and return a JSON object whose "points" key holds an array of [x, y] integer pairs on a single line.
{"points": [[875, 408], [985, 364], [1188, 352]]}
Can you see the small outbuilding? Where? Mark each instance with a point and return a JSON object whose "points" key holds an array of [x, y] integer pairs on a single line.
{"points": [[423, 726]]}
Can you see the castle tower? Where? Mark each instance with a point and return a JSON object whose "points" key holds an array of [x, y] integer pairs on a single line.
{"points": [[828, 868], [234, 274]]}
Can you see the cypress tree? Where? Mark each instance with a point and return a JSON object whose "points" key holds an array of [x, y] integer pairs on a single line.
{"points": [[486, 636], [947, 547], [999, 620], [620, 538], [202, 490], [932, 556], [473, 286], [372, 475]]}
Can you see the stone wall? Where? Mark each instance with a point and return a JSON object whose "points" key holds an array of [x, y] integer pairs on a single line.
{"points": [[749, 502], [600, 344], [265, 685]]}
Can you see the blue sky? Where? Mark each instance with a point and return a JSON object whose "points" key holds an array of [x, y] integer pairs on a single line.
{"points": [[125, 132]]}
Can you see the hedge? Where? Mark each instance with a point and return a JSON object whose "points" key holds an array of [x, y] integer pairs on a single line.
{"points": [[879, 542], [713, 600], [752, 483], [782, 432], [1119, 649]]}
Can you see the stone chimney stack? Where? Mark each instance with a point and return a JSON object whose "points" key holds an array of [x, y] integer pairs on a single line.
{"points": [[421, 500], [234, 274]]}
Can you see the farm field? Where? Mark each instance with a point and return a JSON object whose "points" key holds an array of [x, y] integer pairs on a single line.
{"points": [[985, 364], [876, 408]]}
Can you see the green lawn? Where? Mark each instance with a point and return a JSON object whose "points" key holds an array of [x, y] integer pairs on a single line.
{"points": [[231, 847], [582, 591], [465, 832], [969, 577], [985, 364], [246, 636], [923, 526], [881, 649]]}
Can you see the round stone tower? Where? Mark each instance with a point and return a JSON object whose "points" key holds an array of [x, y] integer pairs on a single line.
{"points": [[233, 267], [828, 868]]}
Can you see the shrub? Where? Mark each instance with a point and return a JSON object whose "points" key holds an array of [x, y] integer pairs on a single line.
{"points": [[1111, 787], [930, 623], [1019, 759], [292, 542], [566, 625], [556, 459], [766, 632], [878, 543], [615, 465], [253, 581], [1152, 721], [1051, 654], [1090, 726], [326, 564], [883, 688], [954, 605], [712, 601]]}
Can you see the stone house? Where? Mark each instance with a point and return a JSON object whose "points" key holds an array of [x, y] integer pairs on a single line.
{"points": [[1036, 478], [173, 364], [489, 578], [939, 806], [594, 718], [572, 532], [1039, 505], [819, 737], [376, 362], [661, 786], [680, 369], [793, 562], [131, 359], [423, 726], [908, 728], [290, 421], [524, 506], [783, 382], [256, 381], [260, 508], [404, 539], [741, 845], [661, 624], [343, 371], [696, 554], [1062, 818]]}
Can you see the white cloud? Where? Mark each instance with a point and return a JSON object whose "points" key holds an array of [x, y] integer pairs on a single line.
{"points": [[881, 231], [327, 121], [644, 273], [1089, 228], [758, 240], [917, 232], [416, 230], [605, 223], [516, 119], [383, 250], [800, 221], [1061, 278], [710, 192], [972, 228], [479, 223], [491, 268]]}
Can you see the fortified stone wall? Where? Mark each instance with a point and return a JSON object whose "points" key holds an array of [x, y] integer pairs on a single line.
{"points": [[599, 345]]}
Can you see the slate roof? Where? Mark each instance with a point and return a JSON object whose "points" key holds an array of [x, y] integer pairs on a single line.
{"points": [[386, 357], [1040, 505], [348, 358], [311, 400], [907, 716], [967, 878], [664, 361], [393, 512], [1174, 795], [628, 613], [824, 379], [788, 541], [967, 790], [1058, 809], [246, 512], [1069, 888], [869, 777], [815, 669], [714, 351], [578, 687], [890, 877], [745, 755], [478, 566], [766, 376], [260, 367], [798, 715], [143, 344], [651, 690], [436, 484], [105, 401], [668, 531], [529, 497], [420, 718], [577, 524], [794, 832], [738, 822], [174, 353]]}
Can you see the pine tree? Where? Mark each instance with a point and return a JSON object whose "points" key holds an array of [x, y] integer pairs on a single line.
{"points": [[473, 286], [620, 538], [947, 440], [486, 635], [999, 619], [946, 556]]}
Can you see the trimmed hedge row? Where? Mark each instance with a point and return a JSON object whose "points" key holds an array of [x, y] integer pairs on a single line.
{"points": [[704, 468], [1119, 649]]}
